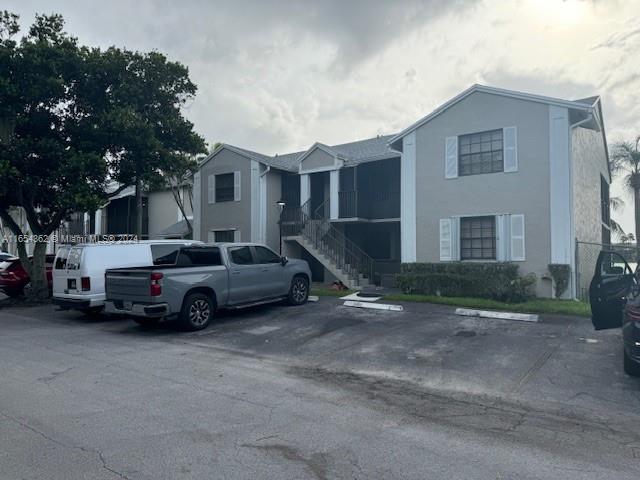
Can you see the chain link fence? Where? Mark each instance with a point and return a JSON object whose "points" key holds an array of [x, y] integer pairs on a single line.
{"points": [[587, 256]]}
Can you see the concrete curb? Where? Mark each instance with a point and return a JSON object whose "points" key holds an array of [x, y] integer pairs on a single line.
{"points": [[374, 306], [522, 317]]}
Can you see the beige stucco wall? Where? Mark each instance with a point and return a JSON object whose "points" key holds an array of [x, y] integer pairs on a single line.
{"points": [[589, 163], [163, 211], [523, 192]]}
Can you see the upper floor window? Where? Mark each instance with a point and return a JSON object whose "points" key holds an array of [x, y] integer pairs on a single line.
{"points": [[224, 187], [481, 153]]}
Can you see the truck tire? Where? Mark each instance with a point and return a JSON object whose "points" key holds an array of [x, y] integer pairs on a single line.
{"points": [[630, 367], [197, 312], [298, 291]]}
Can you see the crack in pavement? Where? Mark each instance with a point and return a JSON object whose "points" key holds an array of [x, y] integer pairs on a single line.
{"points": [[92, 451]]}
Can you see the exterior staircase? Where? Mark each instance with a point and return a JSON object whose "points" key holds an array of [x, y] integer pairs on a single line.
{"points": [[338, 254]]}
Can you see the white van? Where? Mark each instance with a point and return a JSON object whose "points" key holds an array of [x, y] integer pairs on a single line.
{"points": [[78, 270]]}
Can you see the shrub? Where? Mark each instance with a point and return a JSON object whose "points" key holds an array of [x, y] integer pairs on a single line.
{"points": [[560, 273], [499, 281], [521, 289]]}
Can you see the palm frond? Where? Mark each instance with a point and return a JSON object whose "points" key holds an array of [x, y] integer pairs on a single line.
{"points": [[616, 203], [616, 228]]}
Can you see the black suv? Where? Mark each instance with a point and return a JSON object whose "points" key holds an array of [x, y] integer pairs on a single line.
{"points": [[615, 302]]}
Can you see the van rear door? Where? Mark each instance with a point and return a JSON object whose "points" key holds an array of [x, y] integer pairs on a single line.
{"points": [[71, 281], [60, 270]]}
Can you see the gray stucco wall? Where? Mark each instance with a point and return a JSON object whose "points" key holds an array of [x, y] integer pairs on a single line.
{"points": [[523, 192], [226, 215], [589, 163], [318, 159]]}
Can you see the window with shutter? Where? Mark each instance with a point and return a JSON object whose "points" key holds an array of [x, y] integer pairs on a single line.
{"points": [[224, 187], [481, 153], [478, 238]]}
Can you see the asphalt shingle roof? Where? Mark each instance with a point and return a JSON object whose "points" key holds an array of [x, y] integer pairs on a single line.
{"points": [[353, 153]]}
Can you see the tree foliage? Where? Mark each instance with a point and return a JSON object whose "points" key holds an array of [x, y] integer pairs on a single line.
{"points": [[625, 163], [73, 118]]}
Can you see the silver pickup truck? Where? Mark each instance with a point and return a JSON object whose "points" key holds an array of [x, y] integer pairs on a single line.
{"points": [[204, 278]]}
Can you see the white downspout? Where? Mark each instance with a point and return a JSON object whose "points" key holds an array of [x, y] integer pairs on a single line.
{"points": [[572, 227]]}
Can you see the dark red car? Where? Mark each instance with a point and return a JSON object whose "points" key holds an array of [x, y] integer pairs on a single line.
{"points": [[14, 278]]}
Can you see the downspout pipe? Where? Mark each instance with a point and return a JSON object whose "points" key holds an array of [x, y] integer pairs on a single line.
{"points": [[572, 226]]}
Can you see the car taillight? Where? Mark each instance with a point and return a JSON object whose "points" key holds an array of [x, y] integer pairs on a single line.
{"points": [[85, 283], [156, 284]]}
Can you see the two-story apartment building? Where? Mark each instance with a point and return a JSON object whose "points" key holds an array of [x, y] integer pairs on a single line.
{"points": [[491, 175]]}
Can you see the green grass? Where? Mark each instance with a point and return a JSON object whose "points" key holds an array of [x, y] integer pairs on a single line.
{"points": [[538, 305]]}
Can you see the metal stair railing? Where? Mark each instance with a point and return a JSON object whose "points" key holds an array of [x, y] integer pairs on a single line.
{"points": [[328, 240]]}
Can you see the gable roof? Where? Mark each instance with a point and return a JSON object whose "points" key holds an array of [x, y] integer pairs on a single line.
{"points": [[584, 104]]}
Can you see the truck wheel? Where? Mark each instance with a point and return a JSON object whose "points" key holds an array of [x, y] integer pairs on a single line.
{"points": [[630, 367], [299, 290], [197, 311]]}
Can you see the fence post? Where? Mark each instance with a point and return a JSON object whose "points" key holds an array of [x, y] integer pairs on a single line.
{"points": [[576, 275]]}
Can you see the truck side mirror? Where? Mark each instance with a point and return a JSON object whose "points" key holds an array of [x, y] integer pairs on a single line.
{"points": [[284, 261]]}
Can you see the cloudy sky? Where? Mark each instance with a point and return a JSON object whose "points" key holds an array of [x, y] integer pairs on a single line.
{"points": [[275, 76]]}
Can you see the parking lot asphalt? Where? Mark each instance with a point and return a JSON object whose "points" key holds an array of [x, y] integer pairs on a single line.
{"points": [[318, 391]]}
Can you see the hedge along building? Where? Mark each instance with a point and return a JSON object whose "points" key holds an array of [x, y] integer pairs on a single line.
{"points": [[492, 175]]}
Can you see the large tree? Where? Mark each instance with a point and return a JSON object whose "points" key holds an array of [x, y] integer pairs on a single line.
{"points": [[625, 162], [151, 140], [48, 164], [72, 118]]}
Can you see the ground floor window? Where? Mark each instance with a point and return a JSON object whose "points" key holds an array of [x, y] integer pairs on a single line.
{"points": [[478, 238], [222, 236]]}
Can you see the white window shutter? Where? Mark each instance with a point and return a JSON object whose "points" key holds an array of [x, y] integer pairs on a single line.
{"points": [[236, 236], [503, 238], [510, 143], [211, 236], [211, 189], [455, 238], [451, 157], [236, 186], [445, 239], [517, 238]]}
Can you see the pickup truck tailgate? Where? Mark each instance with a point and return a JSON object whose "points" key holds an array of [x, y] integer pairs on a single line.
{"points": [[132, 285]]}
